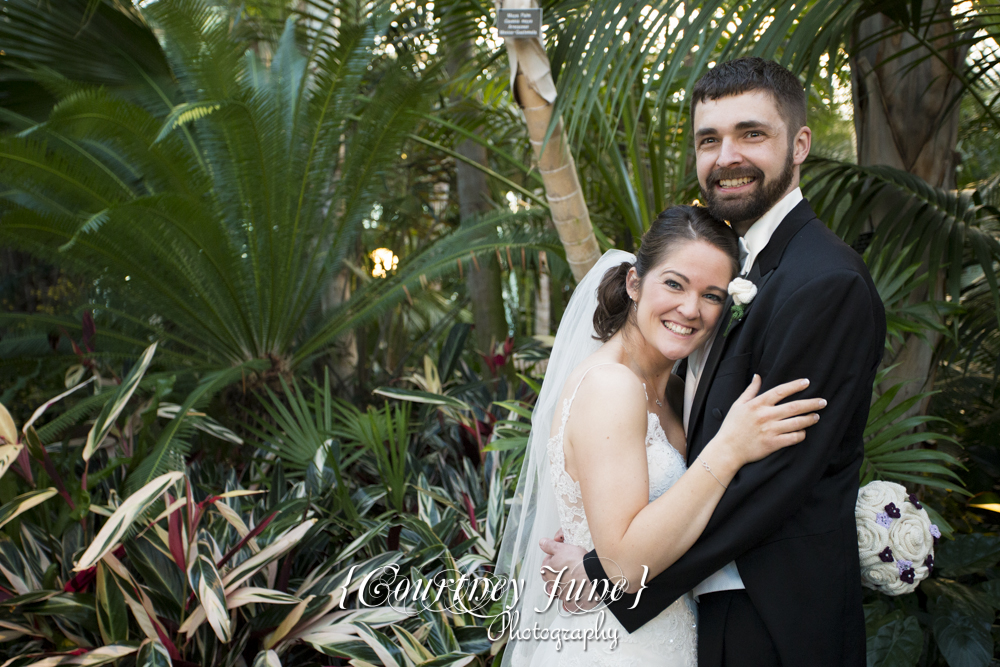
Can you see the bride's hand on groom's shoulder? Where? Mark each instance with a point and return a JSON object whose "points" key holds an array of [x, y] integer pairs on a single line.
{"points": [[757, 426], [563, 568]]}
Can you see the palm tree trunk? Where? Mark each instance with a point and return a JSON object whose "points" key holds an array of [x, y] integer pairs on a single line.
{"points": [[344, 350], [483, 280], [904, 117], [535, 92]]}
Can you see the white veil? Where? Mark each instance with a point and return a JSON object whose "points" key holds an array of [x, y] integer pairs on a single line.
{"points": [[533, 514]]}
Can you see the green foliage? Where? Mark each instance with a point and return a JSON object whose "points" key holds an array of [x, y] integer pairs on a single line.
{"points": [[213, 219], [209, 191], [951, 229], [196, 566], [889, 439]]}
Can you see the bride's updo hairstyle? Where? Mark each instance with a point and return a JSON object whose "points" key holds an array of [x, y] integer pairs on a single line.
{"points": [[674, 227]]}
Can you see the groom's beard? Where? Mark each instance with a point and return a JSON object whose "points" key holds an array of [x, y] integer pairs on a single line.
{"points": [[758, 202]]}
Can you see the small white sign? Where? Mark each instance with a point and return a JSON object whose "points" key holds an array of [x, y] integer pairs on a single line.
{"points": [[520, 22]]}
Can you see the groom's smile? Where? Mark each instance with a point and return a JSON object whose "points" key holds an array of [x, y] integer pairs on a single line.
{"points": [[747, 158]]}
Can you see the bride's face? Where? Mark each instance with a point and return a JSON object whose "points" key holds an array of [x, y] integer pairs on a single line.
{"points": [[680, 300]]}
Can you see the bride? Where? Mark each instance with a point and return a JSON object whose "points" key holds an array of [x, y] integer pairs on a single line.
{"points": [[607, 468]]}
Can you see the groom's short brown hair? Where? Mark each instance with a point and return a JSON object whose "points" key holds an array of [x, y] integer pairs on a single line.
{"points": [[744, 75]]}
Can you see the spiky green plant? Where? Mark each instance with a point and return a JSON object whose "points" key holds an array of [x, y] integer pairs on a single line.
{"points": [[215, 218]]}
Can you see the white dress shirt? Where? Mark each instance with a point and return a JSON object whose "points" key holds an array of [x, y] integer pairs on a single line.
{"points": [[756, 238]]}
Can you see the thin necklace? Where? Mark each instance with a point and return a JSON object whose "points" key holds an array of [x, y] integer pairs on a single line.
{"points": [[644, 376]]}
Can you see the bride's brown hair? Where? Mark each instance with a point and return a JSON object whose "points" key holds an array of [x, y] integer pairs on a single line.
{"points": [[676, 225]]}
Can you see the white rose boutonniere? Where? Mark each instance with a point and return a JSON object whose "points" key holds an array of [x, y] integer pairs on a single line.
{"points": [[743, 291]]}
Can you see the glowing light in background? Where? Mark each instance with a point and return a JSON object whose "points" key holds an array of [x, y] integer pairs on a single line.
{"points": [[385, 261]]}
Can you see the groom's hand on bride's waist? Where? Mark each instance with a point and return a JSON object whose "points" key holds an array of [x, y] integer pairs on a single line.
{"points": [[563, 568]]}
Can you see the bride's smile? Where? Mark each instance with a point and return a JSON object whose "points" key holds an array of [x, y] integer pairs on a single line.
{"points": [[680, 301]]}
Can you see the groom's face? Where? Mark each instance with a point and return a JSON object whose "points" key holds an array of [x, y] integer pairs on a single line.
{"points": [[747, 156]]}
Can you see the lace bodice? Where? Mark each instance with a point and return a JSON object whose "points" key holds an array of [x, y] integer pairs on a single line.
{"points": [[668, 640], [665, 463]]}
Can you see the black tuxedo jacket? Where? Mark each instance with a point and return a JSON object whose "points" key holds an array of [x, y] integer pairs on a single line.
{"points": [[788, 520]]}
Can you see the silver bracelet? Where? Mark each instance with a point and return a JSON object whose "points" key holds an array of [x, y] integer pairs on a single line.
{"points": [[713, 474]]}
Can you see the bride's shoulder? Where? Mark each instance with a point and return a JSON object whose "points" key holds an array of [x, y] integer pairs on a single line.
{"points": [[610, 401], [608, 382]]}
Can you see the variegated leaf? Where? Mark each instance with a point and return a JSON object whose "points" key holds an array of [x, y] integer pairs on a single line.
{"points": [[22, 629], [201, 422], [73, 375], [16, 581], [289, 622], [141, 617], [411, 646], [331, 638], [449, 660], [363, 539], [339, 624], [316, 616], [238, 598], [24, 502], [49, 403], [130, 510], [153, 654], [8, 429], [142, 609], [250, 595], [32, 551], [266, 659], [207, 583], [113, 408], [379, 643], [10, 635], [280, 545], [8, 454], [171, 508], [112, 613], [234, 519], [103, 655]]}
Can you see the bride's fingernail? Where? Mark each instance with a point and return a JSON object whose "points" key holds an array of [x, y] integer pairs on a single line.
{"points": [[805, 383], [822, 402]]}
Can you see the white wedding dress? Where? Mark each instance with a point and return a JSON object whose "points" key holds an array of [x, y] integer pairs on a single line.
{"points": [[670, 639]]}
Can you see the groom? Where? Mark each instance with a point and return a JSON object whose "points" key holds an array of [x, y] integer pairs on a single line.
{"points": [[776, 570]]}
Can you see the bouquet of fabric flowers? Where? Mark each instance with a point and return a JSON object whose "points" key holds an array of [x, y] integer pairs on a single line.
{"points": [[895, 537]]}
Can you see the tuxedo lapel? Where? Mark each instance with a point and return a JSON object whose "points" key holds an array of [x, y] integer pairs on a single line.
{"points": [[760, 273], [711, 363]]}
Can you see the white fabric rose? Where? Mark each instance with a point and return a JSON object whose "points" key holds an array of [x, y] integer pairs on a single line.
{"points": [[910, 535], [742, 290], [880, 576], [870, 535], [898, 587], [876, 495]]}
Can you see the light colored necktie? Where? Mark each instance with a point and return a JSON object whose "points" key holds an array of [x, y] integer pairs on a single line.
{"points": [[744, 253]]}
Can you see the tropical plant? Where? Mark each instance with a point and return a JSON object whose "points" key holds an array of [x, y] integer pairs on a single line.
{"points": [[213, 218], [195, 567]]}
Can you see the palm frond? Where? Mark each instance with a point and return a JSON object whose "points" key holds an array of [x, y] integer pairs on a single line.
{"points": [[952, 229], [214, 218], [891, 445]]}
